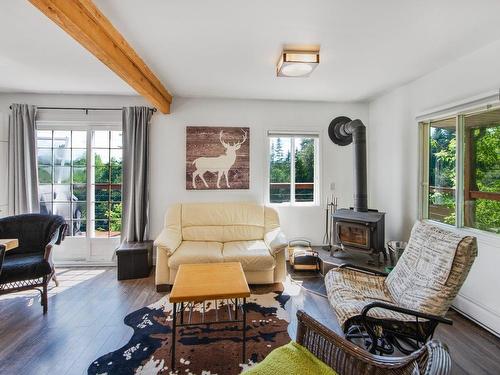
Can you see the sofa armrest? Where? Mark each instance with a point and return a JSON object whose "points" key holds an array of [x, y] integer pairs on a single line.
{"points": [[275, 241], [58, 236], [168, 239]]}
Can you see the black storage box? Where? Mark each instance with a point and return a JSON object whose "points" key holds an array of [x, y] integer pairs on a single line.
{"points": [[134, 260]]}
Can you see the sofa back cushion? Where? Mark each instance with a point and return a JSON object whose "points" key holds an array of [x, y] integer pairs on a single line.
{"points": [[34, 231], [222, 222], [432, 269]]}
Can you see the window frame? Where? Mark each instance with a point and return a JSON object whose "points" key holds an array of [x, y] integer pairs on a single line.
{"points": [[90, 127], [487, 102], [294, 134]]}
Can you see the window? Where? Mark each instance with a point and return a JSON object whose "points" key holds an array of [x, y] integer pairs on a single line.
{"points": [[293, 180], [442, 166], [482, 171], [80, 177], [461, 170]]}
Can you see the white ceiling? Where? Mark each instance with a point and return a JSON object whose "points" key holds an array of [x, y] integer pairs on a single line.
{"points": [[229, 48]]}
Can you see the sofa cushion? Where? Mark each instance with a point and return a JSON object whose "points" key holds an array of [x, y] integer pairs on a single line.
{"points": [[17, 267], [271, 219], [222, 222], [253, 255], [201, 214], [191, 252], [34, 231], [223, 233]]}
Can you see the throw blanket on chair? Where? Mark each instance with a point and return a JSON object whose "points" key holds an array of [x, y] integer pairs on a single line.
{"points": [[431, 267]]}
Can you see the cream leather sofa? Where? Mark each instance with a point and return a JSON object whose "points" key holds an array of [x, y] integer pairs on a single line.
{"points": [[221, 232]]}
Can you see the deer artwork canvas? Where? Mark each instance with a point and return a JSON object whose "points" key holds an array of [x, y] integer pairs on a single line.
{"points": [[217, 158]]}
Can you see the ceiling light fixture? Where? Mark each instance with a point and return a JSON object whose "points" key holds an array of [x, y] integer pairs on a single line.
{"points": [[297, 63]]}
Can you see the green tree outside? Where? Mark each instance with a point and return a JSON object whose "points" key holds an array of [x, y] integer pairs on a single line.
{"points": [[304, 169], [280, 169], [442, 173], [107, 213]]}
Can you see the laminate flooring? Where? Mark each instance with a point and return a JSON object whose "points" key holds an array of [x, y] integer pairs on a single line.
{"points": [[85, 321]]}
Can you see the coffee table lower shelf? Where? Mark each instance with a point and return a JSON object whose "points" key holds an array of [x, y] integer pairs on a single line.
{"points": [[232, 305]]}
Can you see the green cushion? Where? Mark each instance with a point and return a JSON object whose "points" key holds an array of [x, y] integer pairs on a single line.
{"points": [[290, 359]]}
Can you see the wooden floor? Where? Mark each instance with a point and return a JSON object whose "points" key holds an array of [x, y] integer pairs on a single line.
{"points": [[85, 320]]}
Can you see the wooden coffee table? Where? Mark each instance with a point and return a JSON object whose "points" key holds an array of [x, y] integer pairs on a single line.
{"points": [[9, 244], [198, 283]]}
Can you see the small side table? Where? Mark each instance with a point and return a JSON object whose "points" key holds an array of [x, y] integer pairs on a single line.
{"points": [[134, 260]]}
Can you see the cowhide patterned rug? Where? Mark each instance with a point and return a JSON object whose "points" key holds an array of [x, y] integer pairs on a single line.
{"points": [[200, 350]]}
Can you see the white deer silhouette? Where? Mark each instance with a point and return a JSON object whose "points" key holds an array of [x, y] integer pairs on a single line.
{"points": [[219, 164]]}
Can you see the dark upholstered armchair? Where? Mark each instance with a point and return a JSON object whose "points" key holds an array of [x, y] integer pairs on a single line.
{"points": [[29, 266]]}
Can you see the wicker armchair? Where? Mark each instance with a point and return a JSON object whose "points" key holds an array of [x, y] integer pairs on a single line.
{"points": [[30, 265], [401, 310], [347, 358]]}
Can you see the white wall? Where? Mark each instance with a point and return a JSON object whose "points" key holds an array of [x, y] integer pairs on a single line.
{"points": [[168, 153], [393, 164]]}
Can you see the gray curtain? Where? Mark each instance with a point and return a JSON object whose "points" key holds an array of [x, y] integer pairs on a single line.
{"points": [[135, 173], [23, 176]]}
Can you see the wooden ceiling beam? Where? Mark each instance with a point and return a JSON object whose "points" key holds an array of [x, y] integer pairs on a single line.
{"points": [[83, 21]]}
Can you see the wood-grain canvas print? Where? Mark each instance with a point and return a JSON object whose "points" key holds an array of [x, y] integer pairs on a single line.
{"points": [[217, 158]]}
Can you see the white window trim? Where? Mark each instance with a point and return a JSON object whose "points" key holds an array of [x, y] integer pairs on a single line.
{"points": [[475, 103], [313, 132], [479, 103], [88, 126]]}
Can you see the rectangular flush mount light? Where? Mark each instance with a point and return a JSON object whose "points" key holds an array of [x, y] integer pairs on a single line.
{"points": [[297, 63]]}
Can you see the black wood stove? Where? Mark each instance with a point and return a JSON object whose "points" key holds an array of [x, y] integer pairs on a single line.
{"points": [[357, 228], [359, 231]]}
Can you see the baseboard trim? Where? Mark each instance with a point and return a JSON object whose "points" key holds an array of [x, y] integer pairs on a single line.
{"points": [[85, 264], [478, 314]]}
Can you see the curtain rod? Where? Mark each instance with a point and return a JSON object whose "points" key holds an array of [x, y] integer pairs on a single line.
{"points": [[86, 109]]}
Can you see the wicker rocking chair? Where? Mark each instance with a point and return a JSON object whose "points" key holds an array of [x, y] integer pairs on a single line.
{"points": [[30, 265], [401, 310], [347, 358]]}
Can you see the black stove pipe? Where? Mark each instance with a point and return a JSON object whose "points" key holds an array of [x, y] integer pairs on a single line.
{"points": [[343, 131]]}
